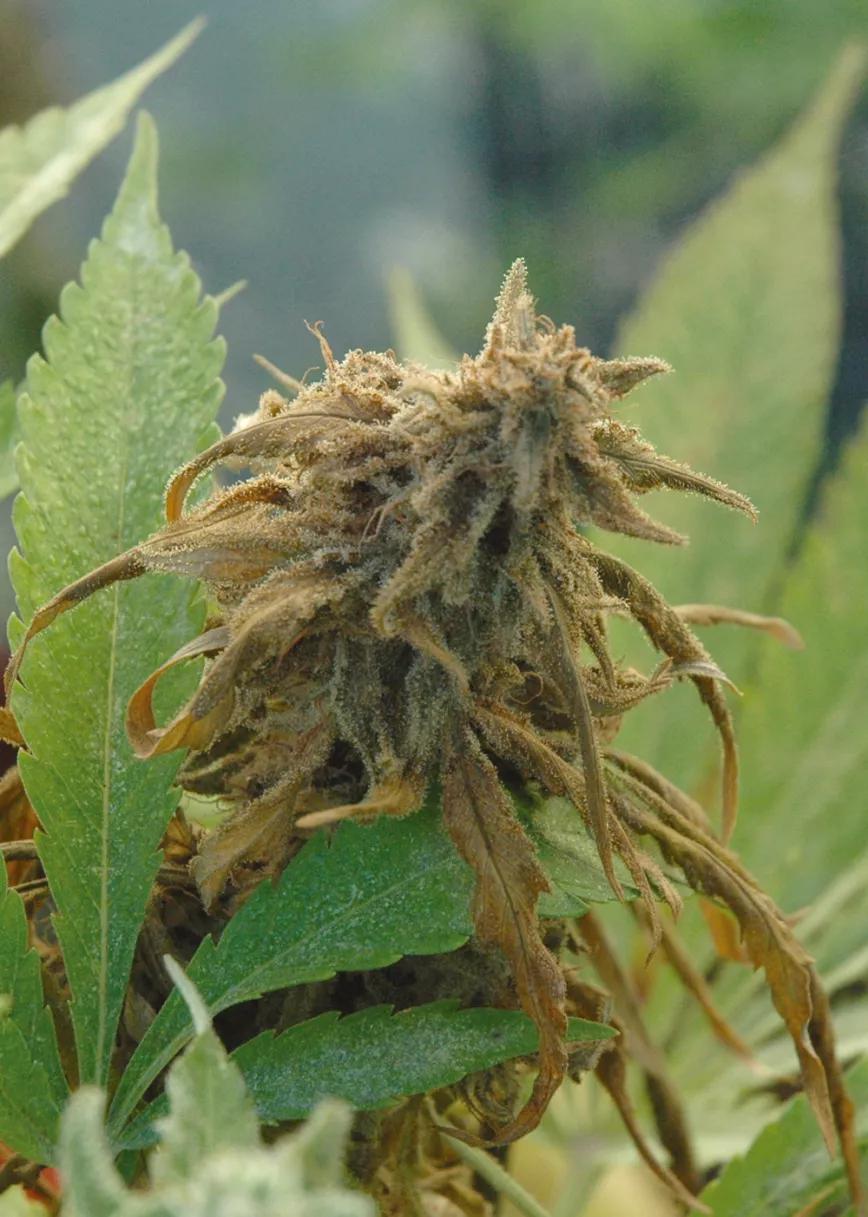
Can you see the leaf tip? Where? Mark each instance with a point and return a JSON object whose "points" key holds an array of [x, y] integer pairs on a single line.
{"points": [[198, 1010], [172, 50]]}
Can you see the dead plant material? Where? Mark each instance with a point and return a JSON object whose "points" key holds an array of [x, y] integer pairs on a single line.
{"points": [[402, 583], [17, 824]]}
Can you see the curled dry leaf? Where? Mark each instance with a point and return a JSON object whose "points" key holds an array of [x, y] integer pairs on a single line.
{"points": [[480, 819], [717, 614], [405, 598], [769, 943], [17, 822]]}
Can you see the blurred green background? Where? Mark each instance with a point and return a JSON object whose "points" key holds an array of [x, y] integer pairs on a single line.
{"points": [[311, 148]]}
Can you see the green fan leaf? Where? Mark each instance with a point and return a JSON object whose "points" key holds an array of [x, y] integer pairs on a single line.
{"points": [[804, 752], [32, 1086], [806, 715], [358, 901], [127, 389], [747, 310], [787, 1170], [805, 728], [569, 857], [9, 436], [39, 160], [375, 1057]]}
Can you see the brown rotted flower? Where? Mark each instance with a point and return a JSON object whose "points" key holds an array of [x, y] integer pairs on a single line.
{"points": [[406, 598]]}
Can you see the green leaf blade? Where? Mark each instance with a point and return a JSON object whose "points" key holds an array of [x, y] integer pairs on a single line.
{"points": [[33, 1088], [127, 387], [8, 439], [747, 310], [362, 900], [39, 160], [806, 715], [569, 857], [341, 905], [787, 1166], [375, 1057]]}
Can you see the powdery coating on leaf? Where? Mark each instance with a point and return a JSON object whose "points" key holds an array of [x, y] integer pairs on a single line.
{"points": [[403, 576], [375, 1057], [298, 1176], [340, 905]]}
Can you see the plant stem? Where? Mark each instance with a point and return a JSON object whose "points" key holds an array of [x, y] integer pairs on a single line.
{"points": [[491, 1170]]}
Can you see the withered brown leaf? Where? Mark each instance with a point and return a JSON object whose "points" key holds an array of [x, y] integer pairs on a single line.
{"points": [[481, 821]]}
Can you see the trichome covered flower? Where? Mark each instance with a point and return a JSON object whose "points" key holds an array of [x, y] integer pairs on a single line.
{"points": [[407, 601]]}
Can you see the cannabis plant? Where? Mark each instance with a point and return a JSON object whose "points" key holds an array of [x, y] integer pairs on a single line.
{"points": [[385, 691]]}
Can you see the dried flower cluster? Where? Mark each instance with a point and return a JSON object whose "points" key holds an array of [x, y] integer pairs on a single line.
{"points": [[405, 598]]}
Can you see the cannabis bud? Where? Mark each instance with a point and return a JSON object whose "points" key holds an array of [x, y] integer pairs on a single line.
{"points": [[408, 600]]}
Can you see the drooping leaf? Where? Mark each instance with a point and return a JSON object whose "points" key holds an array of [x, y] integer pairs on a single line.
{"points": [[479, 817], [9, 436], [375, 1057], [803, 733], [766, 939], [787, 1167], [747, 310], [32, 1086], [39, 160], [126, 390], [804, 730]]}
